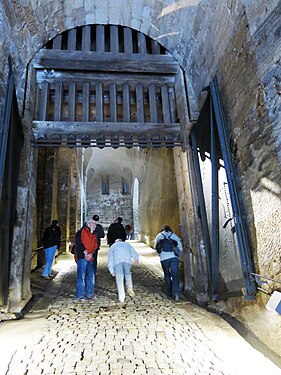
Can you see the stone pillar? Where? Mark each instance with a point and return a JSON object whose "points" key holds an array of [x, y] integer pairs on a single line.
{"points": [[45, 195]]}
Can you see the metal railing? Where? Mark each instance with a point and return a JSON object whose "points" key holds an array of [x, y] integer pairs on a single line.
{"points": [[37, 249]]}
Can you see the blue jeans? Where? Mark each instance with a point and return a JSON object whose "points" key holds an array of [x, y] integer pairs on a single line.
{"points": [[95, 261], [85, 279], [49, 255], [123, 270], [171, 276]]}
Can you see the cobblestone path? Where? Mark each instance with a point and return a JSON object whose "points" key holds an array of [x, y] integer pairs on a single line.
{"points": [[148, 334]]}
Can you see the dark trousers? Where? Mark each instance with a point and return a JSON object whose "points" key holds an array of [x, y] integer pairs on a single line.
{"points": [[171, 276]]}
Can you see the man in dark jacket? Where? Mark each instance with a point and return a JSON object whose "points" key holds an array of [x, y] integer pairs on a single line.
{"points": [[116, 231], [51, 242], [100, 234]]}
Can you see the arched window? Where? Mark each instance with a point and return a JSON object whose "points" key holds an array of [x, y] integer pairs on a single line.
{"points": [[105, 185]]}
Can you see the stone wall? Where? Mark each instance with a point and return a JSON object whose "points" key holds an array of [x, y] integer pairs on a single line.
{"points": [[237, 40]]}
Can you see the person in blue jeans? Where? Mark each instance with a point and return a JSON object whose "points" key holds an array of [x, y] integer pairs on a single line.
{"points": [[86, 243], [51, 242], [120, 256], [169, 261]]}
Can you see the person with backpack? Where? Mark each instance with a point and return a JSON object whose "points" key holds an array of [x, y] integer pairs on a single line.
{"points": [[86, 243], [51, 242], [169, 248]]}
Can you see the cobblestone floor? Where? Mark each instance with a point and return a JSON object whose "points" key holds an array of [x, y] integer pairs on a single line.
{"points": [[148, 334]]}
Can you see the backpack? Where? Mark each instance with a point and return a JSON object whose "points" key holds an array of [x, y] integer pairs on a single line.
{"points": [[167, 244]]}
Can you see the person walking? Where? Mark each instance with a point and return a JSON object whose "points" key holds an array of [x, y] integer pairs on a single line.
{"points": [[100, 234], [120, 257], [165, 242], [86, 243], [116, 231], [129, 232], [51, 242]]}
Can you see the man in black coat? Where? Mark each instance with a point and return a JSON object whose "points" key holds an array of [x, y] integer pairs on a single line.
{"points": [[100, 234], [116, 231], [51, 242]]}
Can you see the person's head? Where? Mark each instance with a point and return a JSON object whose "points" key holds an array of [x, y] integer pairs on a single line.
{"points": [[166, 228], [96, 217], [91, 224], [55, 223]]}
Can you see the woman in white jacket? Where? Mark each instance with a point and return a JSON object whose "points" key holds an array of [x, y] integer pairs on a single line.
{"points": [[169, 259], [120, 256]]}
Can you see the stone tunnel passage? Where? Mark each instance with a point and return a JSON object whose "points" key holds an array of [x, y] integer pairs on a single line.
{"points": [[148, 334]]}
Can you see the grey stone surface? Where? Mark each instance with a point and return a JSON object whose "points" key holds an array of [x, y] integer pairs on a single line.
{"points": [[148, 334]]}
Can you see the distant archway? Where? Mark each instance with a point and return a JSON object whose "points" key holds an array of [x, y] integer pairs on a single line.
{"points": [[136, 208]]}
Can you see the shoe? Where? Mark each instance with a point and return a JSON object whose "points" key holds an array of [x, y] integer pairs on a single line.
{"points": [[47, 277], [130, 292]]}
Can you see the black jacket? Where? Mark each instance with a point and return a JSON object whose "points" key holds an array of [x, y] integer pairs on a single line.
{"points": [[100, 233], [51, 237], [115, 231]]}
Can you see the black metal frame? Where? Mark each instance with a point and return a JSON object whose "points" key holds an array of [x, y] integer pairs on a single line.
{"points": [[219, 132]]}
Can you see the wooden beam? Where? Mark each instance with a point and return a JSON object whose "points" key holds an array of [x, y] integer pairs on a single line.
{"points": [[86, 101], [113, 103], [105, 61], [44, 93], [109, 78], [153, 103], [41, 128], [86, 38], [114, 40]]}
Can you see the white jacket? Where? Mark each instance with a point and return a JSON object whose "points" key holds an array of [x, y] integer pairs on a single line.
{"points": [[121, 252]]}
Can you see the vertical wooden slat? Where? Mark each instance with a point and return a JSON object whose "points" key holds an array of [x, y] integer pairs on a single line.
{"points": [[165, 104], [71, 101], [113, 102], [58, 101], [141, 43], [153, 104], [128, 41], [71, 40], [114, 40], [172, 104], [126, 103], [86, 38], [57, 42], [99, 102], [86, 101], [155, 47], [43, 104], [140, 103], [100, 41]]}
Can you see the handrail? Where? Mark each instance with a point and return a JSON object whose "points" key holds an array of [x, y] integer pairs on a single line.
{"points": [[257, 276], [35, 251]]}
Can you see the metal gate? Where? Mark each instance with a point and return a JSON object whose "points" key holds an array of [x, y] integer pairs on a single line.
{"points": [[229, 256]]}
